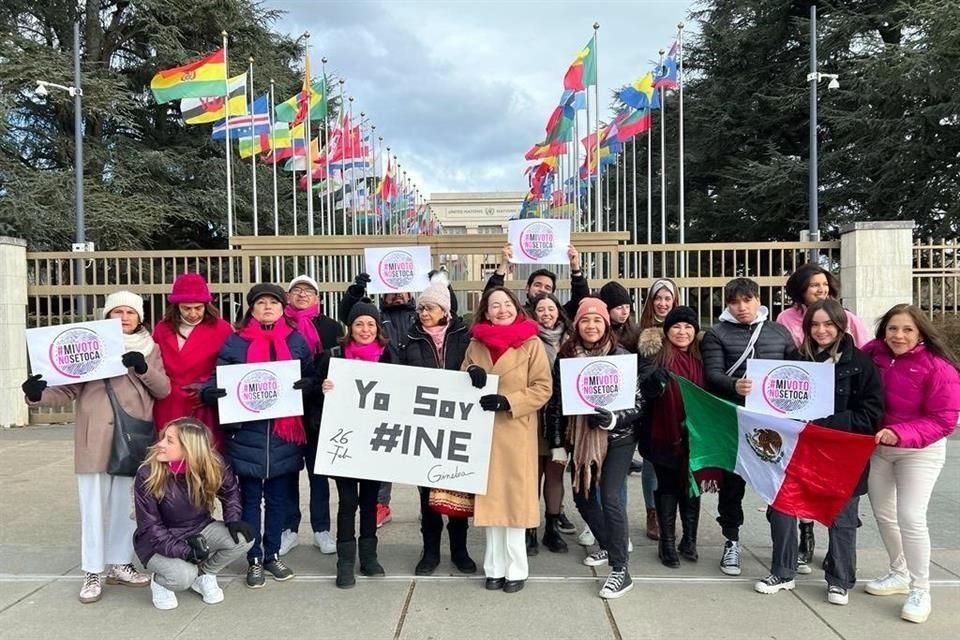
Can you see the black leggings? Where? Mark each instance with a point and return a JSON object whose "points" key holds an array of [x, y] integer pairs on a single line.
{"points": [[353, 494]]}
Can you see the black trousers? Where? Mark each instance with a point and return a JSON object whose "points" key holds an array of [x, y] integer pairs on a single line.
{"points": [[730, 505], [356, 494], [607, 515], [841, 561], [431, 528]]}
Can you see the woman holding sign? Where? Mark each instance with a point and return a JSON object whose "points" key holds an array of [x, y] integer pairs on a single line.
{"points": [[602, 447], [438, 340], [365, 340], [919, 372], [265, 453], [504, 342], [190, 336], [858, 406], [104, 496]]}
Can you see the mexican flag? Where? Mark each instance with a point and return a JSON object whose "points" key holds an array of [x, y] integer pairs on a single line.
{"points": [[798, 468]]}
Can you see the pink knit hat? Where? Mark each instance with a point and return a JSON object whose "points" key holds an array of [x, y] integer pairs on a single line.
{"points": [[592, 305], [190, 288]]}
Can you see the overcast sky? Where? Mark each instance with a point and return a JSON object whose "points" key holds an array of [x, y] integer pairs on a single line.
{"points": [[461, 89]]}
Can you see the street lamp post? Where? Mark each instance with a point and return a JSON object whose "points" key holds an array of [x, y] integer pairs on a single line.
{"points": [[813, 78]]}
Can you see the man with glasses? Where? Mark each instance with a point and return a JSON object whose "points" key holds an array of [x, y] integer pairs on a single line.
{"points": [[321, 333]]}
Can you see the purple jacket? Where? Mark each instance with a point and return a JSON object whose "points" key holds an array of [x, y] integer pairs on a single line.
{"points": [[922, 394], [164, 525]]}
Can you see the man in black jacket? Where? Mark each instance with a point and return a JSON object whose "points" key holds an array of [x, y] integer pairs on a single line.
{"points": [[544, 281], [744, 332]]}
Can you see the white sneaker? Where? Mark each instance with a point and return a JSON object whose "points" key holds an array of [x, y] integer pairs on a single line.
{"points": [[888, 585], [206, 585], [804, 569], [774, 583], [163, 598], [629, 545], [91, 589], [127, 575], [586, 537], [325, 542], [288, 540], [837, 595], [917, 607]]}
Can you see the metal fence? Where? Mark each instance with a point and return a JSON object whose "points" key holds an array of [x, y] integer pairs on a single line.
{"points": [[936, 276]]}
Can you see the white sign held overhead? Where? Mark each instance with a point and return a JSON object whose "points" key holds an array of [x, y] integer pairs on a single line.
{"points": [[397, 269], [539, 241]]}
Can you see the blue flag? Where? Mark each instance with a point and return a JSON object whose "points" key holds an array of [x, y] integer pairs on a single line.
{"points": [[257, 122]]}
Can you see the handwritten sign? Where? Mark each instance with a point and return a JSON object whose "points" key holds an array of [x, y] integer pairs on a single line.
{"points": [[397, 269], [539, 241], [609, 382], [413, 426], [259, 391], [791, 389], [80, 352]]}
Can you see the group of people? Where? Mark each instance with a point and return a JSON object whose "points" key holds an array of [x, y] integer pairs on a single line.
{"points": [[901, 387]]}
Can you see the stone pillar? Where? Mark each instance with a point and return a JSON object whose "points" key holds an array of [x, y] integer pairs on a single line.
{"points": [[876, 267], [13, 326]]}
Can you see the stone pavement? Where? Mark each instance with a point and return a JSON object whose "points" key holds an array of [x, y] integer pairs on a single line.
{"points": [[39, 580]]}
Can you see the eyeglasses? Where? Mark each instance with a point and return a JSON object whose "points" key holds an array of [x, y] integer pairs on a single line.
{"points": [[302, 291], [429, 308]]}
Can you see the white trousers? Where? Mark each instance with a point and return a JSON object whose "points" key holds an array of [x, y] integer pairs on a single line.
{"points": [[106, 520], [505, 554], [901, 482]]}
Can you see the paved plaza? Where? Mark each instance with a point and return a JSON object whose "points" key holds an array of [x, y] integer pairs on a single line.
{"points": [[40, 579]]}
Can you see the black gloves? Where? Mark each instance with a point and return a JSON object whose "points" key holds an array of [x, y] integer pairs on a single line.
{"points": [[477, 376], [135, 360], [242, 528], [362, 280], [601, 418], [33, 387], [493, 402], [653, 385], [303, 383], [199, 550], [210, 395]]}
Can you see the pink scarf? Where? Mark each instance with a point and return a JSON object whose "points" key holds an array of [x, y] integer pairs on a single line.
{"points": [[304, 319], [289, 429], [498, 338], [438, 334], [178, 467], [367, 352]]}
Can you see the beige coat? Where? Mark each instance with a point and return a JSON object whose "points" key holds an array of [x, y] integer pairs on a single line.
{"points": [[526, 381], [93, 436]]}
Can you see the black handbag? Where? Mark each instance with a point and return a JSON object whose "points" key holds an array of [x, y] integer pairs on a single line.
{"points": [[131, 438]]}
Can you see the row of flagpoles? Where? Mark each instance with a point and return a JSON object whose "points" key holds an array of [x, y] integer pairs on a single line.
{"points": [[344, 166], [561, 186]]}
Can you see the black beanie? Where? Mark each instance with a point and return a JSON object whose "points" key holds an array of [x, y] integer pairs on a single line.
{"points": [[681, 314], [260, 290], [363, 309], [614, 295]]}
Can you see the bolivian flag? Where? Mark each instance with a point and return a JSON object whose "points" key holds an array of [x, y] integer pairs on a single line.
{"points": [[204, 78], [211, 109]]}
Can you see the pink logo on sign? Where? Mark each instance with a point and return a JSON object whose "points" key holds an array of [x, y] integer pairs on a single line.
{"points": [[599, 383], [536, 240], [787, 388], [258, 390], [76, 352], [397, 270]]}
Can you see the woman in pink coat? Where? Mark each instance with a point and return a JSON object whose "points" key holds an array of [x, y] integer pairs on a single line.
{"points": [[922, 388], [806, 285]]}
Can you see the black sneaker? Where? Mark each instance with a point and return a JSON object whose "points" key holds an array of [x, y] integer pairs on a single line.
{"points": [[564, 524], [730, 561], [255, 579], [773, 583], [618, 583], [278, 570], [636, 467]]}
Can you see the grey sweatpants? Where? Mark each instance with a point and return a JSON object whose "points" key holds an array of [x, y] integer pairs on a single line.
{"points": [[177, 575]]}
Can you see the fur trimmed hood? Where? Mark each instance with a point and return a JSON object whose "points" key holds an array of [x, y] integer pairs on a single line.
{"points": [[651, 341]]}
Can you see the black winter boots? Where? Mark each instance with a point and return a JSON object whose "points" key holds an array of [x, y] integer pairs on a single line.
{"points": [[346, 561], [552, 539]]}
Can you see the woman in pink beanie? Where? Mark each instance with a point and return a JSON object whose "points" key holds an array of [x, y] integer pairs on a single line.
{"points": [[190, 337]]}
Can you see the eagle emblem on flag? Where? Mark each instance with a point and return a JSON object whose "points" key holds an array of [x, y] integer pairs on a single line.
{"points": [[767, 444]]}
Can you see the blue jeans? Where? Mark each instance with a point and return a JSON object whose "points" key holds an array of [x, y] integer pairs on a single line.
{"points": [[319, 502], [274, 495], [648, 479]]}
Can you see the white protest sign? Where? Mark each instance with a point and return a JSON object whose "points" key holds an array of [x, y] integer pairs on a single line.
{"points": [[259, 391], [414, 426], [539, 241], [80, 352], [396, 269], [791, 389], [609, 382]]}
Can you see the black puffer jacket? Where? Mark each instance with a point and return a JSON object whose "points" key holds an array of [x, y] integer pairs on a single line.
{"points": [[858, 400], [725, 341], [555, 423], [418, 349]]}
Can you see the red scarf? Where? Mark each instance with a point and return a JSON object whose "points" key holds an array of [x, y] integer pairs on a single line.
{"points": [[367, 352], [497, 338], [304, 319], [178, 467], [261, 340], [668, 414]]}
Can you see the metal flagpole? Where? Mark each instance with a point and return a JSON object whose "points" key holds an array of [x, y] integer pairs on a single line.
{"points": [[331, 219], [353, 187], [374, 167], [650, 197], [307, 134], [253, 159], [276, 201], [577, 212], [636, 235], [596, 117], [363, 172], [226, 72], [683, 254], [343, 208], [293, 174], [663, 166], [589, 204]]}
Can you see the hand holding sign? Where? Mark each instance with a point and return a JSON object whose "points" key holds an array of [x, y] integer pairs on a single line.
{"points": [[33, 388]]}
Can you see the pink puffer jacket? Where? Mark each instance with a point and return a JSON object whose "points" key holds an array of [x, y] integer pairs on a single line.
{"points": [[922, 393]]}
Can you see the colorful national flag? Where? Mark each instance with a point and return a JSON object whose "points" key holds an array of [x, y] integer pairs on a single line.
{"points": [[212, 108], [545, 150], [280, 139], [257, 122], [388, 186], [638, 93], [560, 125], [299, 161], [296, 147], [294, 109], [797, 467], [583, 71], [666, 77], [202, 78], [632, 123]]}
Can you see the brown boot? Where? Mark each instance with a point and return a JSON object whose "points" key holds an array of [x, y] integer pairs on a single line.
{"points": [[653, 527]]}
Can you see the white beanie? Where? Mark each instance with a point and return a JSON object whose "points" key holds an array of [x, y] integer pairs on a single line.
{"points": [[437, 292], [123, 299], [304, 279]]}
